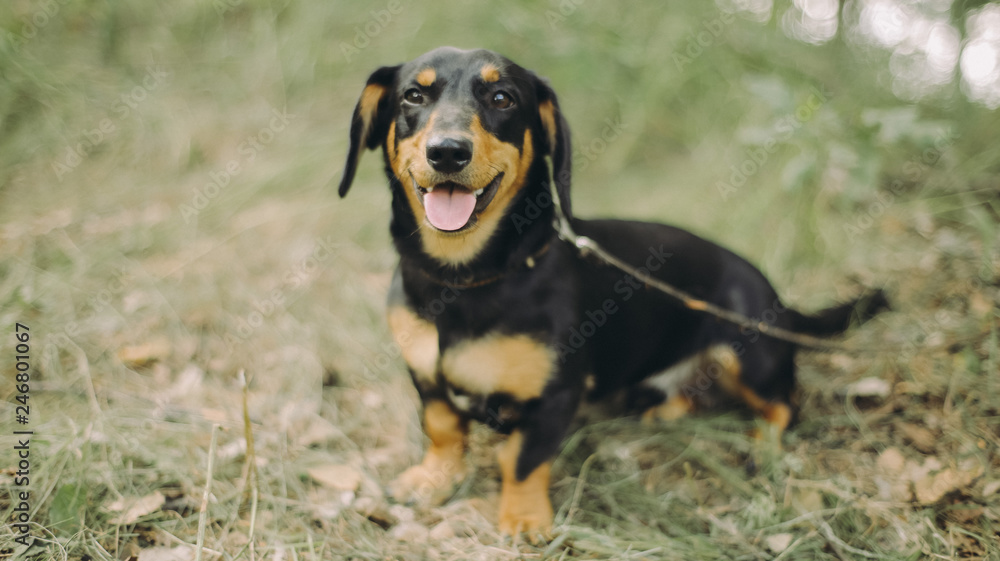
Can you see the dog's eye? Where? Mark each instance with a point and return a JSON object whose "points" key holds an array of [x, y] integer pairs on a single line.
{"points": [[502, 100], [413, 96]]}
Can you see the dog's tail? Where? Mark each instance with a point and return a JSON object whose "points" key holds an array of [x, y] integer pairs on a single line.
{"points": [[832, 321]]}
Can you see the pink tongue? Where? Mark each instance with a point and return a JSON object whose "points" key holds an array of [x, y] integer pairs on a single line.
{"points": [[449, 208]]}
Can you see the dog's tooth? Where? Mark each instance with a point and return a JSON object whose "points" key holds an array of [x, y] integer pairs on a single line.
{"points": [[479, 192], [429, 189]]}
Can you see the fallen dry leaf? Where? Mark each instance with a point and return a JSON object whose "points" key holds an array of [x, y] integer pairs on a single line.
{"points": [[870, 387], [965, 513], [317, 431], [926, 482], [932, 488], [442, 531], [336, 476], [410, 532], [891, 461], [980, 305], [136, 356], [921, 438], [892, 484], [893, 489], [778, 542], [916, 472], [134, 508]]}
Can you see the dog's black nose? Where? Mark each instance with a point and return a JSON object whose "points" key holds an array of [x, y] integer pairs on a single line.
{"points": [[449, 155]]}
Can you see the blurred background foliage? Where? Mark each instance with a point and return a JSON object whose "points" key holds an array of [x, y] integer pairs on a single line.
{"points": [[908, 92]]}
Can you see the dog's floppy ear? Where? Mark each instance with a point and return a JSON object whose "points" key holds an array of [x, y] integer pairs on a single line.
{"points": [[370, 124], [557, 142]]}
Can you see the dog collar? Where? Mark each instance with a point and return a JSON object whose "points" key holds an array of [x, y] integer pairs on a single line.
{"points": [[472, 282]]}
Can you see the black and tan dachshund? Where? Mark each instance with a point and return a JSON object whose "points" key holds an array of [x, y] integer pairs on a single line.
{"points": [[502, 322]]}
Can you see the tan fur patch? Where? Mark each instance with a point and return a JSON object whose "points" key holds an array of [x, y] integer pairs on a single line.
{"points": [[418, 341], [490, 72], [778, 415], [670, 410], [726, 359], [368, 106], [446, 429], [513, 364], [443, 466], [547, 111], [426, 76], [407, 157], [410, 155], [524, 505], [390, 141], [490, 156]]}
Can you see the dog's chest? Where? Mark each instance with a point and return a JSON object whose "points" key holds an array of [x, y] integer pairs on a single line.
{"points": [[516, 366]]}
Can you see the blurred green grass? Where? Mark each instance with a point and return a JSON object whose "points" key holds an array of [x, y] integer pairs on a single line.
{"points": [[145, 310]]}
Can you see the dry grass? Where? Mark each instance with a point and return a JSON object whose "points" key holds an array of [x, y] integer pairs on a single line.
{"points": [[143, 315]]}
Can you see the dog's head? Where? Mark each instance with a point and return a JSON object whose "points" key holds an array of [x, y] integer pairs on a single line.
{"points": [[460, 131]]}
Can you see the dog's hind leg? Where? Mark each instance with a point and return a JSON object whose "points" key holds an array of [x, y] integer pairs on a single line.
{"points": [[776, 411]]}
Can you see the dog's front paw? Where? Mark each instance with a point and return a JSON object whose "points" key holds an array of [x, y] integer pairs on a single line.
{"points": [[430, 482], [531, 517]]}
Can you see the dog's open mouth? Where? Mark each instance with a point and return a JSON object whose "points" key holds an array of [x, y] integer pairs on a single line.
{"points": [[452, 207]]}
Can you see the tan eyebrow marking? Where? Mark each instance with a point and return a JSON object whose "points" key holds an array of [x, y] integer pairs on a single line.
{"points": [[490, 72], [426, 77]]}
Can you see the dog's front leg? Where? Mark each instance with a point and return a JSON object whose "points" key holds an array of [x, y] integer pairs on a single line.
{"points": [[525, 463], [524, 503], [443, 467]]}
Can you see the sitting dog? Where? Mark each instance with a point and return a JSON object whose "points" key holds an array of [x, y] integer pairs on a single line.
{"points": [[501, 321]]}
